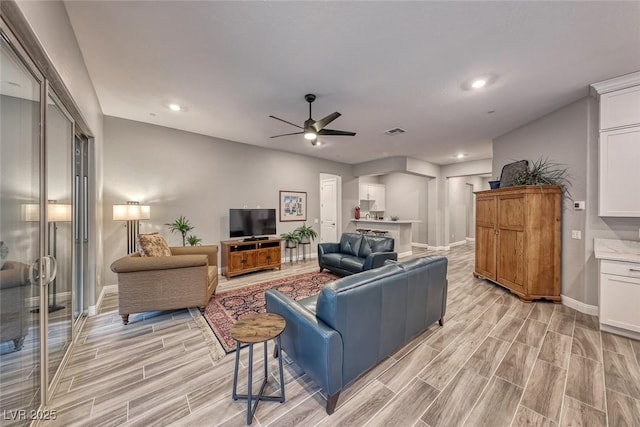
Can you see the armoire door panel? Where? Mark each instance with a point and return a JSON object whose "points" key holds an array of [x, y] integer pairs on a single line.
{"points": [[486, 252], [511, 212], [511, 265]]}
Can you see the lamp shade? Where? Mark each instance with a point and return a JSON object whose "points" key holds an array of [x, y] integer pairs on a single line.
{"points": [[131, 212], [56, 212]]}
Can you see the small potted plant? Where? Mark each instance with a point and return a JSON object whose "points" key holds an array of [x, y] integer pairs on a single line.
{"points": [[194, 240], [546, 172], [182, 226], [307, 234], [291, 239]]}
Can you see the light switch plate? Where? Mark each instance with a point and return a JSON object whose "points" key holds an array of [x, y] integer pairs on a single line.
{"points": [[576, 234], [578, 205]]}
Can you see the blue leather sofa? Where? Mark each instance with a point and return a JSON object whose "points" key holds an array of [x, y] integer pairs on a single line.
{"points": [[357, 321], [355, 253]]}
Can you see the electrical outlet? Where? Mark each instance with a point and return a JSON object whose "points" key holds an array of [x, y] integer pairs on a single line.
{"points": [[578, 206], [576, 234]]}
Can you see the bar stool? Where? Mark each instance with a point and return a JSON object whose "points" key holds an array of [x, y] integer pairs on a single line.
{"points": [[255, 329], [379, 232], [363, 230]]}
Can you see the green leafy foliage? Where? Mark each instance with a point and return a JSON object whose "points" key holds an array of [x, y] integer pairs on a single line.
{"points": [[308, 232], [194, 240], [546, 172], [291, 236], [182, 226]]}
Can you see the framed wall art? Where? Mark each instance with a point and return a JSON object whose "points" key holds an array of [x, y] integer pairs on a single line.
{"points": [[293, 206]]}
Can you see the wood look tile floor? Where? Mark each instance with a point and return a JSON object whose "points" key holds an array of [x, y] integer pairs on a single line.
{"points": [[497, 361]]}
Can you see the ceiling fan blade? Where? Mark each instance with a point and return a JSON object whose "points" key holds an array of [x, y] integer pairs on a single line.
{"points": [[320, 124], [332, 132], [289, 123], [287, 134]]}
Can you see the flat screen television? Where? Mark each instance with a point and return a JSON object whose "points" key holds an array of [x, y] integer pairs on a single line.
{"points": [[252, 222]]}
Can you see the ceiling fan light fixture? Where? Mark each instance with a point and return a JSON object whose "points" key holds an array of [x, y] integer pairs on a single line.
{"points": [[310, 136]]}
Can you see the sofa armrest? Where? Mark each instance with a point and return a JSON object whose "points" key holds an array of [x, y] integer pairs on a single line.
{"points": [[377, 259], [211, 251], [313, 345], [328, 248], [130, 264]]}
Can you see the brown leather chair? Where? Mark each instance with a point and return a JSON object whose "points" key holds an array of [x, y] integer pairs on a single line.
{"points": [[187, 278], [14, 289]]}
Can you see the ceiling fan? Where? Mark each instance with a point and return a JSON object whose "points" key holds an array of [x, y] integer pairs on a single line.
{"points": [[312, 128]]}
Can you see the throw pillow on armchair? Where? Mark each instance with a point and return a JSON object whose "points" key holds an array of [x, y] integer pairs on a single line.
{"points": [[152, 244]]}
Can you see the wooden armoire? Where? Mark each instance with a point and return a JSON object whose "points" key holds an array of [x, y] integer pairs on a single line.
{"points": [[518, 239]]}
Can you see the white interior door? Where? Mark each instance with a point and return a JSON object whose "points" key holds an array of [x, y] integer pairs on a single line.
{"points": [[329, 210]]}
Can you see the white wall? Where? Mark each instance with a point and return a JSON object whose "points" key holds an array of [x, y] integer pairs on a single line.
{"points": [[407, 198], [570, 136], [200, 177]]}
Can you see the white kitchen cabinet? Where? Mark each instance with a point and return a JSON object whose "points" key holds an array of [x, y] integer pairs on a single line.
{"points": [[375, 194], [620, 296], [364, 191], [379, 199], [620, 108], [619, 173], [619, 156]]}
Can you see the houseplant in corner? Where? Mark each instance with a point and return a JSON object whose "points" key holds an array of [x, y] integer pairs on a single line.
{"points": [[291, 239], [182, 226], [307, 234]]}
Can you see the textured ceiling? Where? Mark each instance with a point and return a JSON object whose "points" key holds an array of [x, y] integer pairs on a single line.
{"points": [[381, 64]]}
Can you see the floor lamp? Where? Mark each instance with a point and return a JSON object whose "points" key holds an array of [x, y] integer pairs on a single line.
{"points": [[132, 213], [56, 212]]}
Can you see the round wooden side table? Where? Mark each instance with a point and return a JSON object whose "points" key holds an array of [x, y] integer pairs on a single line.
{"points": [[253, 329]]}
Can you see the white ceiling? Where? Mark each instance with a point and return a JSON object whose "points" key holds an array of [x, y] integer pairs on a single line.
{"points": [[381, 64]]}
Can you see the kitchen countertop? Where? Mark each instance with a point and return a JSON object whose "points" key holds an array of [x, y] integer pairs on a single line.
{"points": [[387, 221], [617, 250]]}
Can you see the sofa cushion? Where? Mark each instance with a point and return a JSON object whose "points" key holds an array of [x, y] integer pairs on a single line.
{"points": [[372, 244], [350, 243], [332, 259], [152, 244], [352, 263]]}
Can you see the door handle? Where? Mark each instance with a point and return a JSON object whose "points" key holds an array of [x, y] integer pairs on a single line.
{"points": [[50, 269], [45, 268]]}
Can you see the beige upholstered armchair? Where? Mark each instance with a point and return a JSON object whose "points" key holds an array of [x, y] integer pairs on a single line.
{"points": [[187, 278], [14, 289]]}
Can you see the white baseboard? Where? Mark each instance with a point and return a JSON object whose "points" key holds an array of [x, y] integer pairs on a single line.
{"points": [[92, 310], [618, 331], [285, 259], [420, 245], [580, 306], [459, 243], [438, 248], [470, 239], [405, 254]]}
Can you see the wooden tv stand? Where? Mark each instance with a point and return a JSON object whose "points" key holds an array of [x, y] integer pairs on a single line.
{"points": [[240, 257]]}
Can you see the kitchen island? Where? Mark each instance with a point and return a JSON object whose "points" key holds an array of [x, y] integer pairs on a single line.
{"points": [[400, 230]]}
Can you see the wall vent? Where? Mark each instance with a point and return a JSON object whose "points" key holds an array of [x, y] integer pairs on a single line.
{"points": [[395, 131]]}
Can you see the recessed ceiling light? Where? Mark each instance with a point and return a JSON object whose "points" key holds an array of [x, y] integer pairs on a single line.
{"points": [[152, 114], [175, 107], [477, 84], [460, 156]]}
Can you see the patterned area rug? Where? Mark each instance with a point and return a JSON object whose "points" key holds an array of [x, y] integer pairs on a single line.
{"points": [[226, 307]]}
